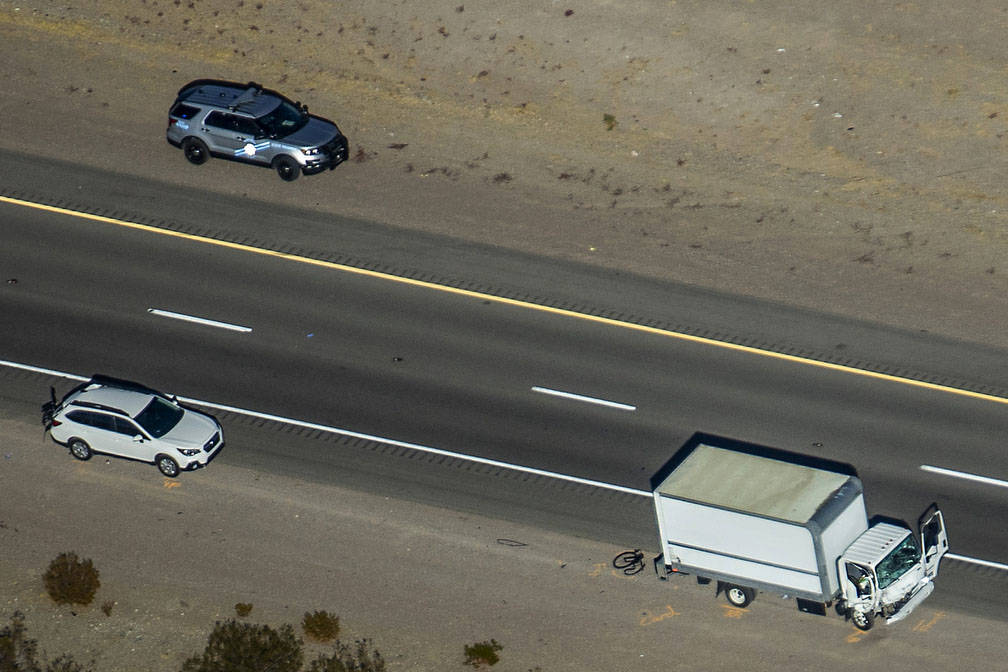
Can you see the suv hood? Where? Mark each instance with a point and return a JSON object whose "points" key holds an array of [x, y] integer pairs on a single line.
{"points": [[194, 429], [315, 133]]}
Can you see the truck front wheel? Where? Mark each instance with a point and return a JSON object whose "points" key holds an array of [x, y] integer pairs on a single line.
{"points": [[863, 620], [738, 596]]}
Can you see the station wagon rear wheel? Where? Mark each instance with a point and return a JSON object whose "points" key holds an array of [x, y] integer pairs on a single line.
{"points": [[195, 151], [167, 466], [80, 449], [287, 168]]}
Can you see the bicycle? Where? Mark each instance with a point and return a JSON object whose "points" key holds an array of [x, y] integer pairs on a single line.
{"points": [[631, 562]]}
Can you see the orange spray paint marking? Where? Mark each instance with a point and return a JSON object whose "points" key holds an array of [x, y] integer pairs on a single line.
{"points": [[732, 612], [649, 619], [924, 626]]}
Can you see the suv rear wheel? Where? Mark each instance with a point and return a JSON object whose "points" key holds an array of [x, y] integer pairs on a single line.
{"points": [[80, 449], [287, 168], [195, 150]]}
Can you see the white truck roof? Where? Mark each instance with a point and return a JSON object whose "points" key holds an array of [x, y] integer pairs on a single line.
{"points": [[876, 543], [751, 483]]}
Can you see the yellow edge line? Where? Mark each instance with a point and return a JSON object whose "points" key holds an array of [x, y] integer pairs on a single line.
{"points": [[513, 302]]}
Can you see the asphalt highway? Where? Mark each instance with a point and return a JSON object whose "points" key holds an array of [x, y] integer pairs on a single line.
{"points": [[510, 381]]}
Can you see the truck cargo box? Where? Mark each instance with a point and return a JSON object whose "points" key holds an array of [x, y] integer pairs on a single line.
{"points": [[754, 516]]}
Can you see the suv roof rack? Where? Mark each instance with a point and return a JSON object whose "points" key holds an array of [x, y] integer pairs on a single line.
{"points": [[99, 407], [109, 381], [221, 92]]}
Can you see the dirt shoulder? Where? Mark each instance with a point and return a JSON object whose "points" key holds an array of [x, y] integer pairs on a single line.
{"points": [[845, 158]]}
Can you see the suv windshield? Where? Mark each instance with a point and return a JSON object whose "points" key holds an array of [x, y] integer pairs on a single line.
{"points": [[159, 417], [896, 564], [284, 120]]}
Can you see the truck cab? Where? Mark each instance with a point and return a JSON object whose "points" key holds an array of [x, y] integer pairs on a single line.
{"points": [[889, 570]]}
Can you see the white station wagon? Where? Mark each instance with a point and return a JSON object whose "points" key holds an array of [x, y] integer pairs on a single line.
{"points": [[119, 417]]}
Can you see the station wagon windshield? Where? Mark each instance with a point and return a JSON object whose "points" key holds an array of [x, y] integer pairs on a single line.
{"points": [[284, 120], [159, 417]]}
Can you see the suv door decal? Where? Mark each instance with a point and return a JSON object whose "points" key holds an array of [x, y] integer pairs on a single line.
{"points": [[250, 149]]}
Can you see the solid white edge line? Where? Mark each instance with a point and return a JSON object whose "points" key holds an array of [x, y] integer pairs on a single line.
{"points": [[987, 480], [367, 437], [579, 397], [428, 449], [39, 369], [198, 320], [421, 448], [975, 561]]}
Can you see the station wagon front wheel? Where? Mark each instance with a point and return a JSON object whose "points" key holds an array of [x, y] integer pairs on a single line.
{"points": [[80, 449], [287, 168], [167, 466], [195, 151]]}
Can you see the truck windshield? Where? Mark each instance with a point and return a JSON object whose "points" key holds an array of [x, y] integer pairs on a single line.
{"points": [[898, 562]]}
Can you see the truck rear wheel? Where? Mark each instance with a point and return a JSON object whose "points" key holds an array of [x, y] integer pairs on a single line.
{"points": [[738, 596]]}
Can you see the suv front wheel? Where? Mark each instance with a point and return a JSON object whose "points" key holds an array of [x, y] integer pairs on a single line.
{"points": [[287, 168], [195, 150], [167, 466]]}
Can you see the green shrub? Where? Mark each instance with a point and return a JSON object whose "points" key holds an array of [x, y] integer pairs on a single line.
{"points": [[19, 653], [106, 607], [360, 657], [240, 647], [243, 609], [609, 121], [482, 653], [320, 626], [65, 663], [70, 580]]}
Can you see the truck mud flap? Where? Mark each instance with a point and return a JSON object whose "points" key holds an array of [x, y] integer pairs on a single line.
{"points": [[912, 603], [811, 606]]}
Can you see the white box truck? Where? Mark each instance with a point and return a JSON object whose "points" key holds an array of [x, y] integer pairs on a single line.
{"points": [[754, 519]]}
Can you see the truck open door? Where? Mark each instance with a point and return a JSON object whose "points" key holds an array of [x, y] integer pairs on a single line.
{"points": [[934, 539], [860, 593]]}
